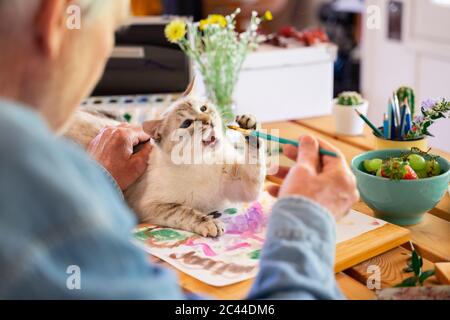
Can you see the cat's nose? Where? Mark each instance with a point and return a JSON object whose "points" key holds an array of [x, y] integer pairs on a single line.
{"points": [[205, 119]]}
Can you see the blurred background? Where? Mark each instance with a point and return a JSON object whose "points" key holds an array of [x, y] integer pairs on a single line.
{"points": [[381, 44]]}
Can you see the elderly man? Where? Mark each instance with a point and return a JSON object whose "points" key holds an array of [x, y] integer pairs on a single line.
{"points": [[59, 208]]}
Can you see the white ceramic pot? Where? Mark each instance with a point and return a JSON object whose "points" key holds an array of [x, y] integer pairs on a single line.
{"points": [[347, 120]]}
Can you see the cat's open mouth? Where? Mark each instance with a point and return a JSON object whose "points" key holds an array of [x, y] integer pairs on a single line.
{"points": [[210, 140]]}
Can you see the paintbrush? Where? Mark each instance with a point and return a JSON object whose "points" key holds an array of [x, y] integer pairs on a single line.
{"points": [[268, 137]]}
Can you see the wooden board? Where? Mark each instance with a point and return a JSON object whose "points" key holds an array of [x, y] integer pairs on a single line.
{"points": [[369, 245], [431, 237], [391, 266], [443, 272], [353, 289]]}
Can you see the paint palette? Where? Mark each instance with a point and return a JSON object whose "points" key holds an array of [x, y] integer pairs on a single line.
{"points": [[137, 107]]}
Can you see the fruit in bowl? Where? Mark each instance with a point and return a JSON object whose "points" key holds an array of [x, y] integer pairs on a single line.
{"points": [[411, 165], [401, 185]]}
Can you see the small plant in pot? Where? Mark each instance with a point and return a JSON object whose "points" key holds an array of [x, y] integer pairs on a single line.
{"points": [[407, 134], [347, 120]]}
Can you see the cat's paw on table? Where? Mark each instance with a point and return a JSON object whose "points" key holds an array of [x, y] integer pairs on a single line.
{"points": [[210, 227]]}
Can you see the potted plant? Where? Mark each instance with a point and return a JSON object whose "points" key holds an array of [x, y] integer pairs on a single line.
{"points": [[218, 51], [431, 110], [347, 120]]}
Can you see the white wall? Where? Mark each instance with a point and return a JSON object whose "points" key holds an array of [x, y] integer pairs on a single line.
{"points": [[421, 60]]}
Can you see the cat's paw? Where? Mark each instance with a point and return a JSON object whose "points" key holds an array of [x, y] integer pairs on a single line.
{"points": [[210, 228], [247, 121]]}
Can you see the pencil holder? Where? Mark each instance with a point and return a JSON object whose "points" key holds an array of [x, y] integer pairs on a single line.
{"points": [[382, 143], [347, 120]]}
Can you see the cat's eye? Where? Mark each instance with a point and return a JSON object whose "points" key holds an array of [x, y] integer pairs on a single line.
{"points": [[186, 124], [203, 108]]}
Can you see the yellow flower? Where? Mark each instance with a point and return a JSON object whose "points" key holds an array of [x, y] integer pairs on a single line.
{"points": [[175, 31], [268, 16], [218, 19], [213, 19], [203, 24]]}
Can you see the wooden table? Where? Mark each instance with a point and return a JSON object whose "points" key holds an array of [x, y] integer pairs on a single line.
{"points": [[431, 237]]}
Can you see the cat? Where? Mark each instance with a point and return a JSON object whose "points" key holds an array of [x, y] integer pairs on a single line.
{"points": [[188, 196]]}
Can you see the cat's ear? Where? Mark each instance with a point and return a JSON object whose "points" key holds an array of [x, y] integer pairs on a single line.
{"points": [[189, 89], [152, 129]]}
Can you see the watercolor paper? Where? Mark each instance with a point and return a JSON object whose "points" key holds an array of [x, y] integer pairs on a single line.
{"points": [[234, 256]]}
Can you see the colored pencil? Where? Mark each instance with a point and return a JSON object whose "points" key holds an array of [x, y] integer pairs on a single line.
{"points": [[370, 124], [402, 121], [408, 121], [396, 108], [269, 137], [390, 120], [393, 120], [385, 126]]}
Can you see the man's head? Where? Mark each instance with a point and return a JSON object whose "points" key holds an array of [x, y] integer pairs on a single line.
{"points": [[48, 65]]}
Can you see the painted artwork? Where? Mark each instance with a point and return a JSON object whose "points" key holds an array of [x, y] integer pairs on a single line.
{"points": [[234, 256]]}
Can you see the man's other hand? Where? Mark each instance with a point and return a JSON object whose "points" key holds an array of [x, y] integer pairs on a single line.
{"points": [[113, 149]]}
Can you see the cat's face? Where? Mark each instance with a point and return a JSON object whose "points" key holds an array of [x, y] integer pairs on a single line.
{"points": [[190, 117]]}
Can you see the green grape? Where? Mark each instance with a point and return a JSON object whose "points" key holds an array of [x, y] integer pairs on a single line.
{"points": [[422, 174], [433, 168], [379, 173], [367, 165], [372, 165], [417, 162], [376, 164]]}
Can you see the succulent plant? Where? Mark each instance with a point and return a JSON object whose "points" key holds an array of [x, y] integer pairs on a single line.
{"points": [[349, 98], [406, 93]]}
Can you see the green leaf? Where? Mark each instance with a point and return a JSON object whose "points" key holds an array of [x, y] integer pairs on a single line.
{"points": [[416, 263], [408, 282], [425, 275]]}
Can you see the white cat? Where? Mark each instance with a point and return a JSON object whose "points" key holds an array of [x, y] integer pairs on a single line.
{"points": [[188, 196]]}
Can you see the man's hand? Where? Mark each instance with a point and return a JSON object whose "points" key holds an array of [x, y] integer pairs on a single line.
{"points": [[113, 149], [327, 180]]}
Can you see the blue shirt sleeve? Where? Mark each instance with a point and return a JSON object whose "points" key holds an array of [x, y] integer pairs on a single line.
{"points": [[297, 260]]}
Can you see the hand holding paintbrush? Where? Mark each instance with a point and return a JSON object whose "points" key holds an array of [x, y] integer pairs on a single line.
{"points": [[328, 181]]}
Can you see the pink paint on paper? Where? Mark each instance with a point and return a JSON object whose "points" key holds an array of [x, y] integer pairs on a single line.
{"points": [[238, 246], [207, 250], [246, 235]]}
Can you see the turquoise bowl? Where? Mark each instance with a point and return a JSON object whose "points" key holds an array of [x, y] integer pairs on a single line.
{"points": [[401, 202]]}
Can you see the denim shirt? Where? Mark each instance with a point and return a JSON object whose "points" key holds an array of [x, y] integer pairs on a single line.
{"points": [[59, 209]]}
